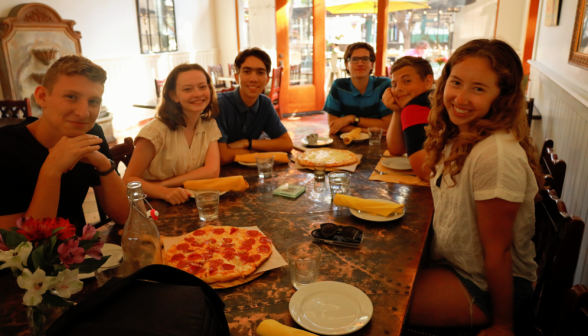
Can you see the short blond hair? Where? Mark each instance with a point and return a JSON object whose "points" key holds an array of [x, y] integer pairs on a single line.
{"points": [[73, 65]]}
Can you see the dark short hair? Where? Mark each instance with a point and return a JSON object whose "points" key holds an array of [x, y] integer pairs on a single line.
{"points": [[257, 53], [359, 45], [170, 112], [73, 65], [421, 66]]}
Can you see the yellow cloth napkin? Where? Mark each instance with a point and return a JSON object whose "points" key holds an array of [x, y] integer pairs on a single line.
{"points": [[233, 183], [396, 176], [279, 157], [375, 207], [348, 138], [275, 328]]}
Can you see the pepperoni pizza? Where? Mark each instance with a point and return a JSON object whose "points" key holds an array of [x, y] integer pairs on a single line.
{"points": [[220, 253]]}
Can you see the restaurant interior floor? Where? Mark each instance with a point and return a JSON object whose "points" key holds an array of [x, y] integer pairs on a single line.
{"points": [[316, 123]]}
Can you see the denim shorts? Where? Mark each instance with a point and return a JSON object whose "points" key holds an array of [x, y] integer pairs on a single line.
{"points": [[523, 290]]}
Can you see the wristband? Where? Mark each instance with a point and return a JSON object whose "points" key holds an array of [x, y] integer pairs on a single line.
{"points": [[250, 144], [106, 172]]}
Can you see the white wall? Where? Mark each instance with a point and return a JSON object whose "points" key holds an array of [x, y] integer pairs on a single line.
{"points": [[475, 21], [226, 32], [512, 23], [262, 25]]}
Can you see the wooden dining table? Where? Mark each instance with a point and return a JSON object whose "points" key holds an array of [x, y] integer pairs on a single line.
{"points": [[384, 266]]}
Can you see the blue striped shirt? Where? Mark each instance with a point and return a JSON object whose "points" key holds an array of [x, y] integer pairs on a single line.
{"points": [[344, 99]]}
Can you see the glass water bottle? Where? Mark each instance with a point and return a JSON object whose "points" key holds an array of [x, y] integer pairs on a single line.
{"points": [[140, 240]]}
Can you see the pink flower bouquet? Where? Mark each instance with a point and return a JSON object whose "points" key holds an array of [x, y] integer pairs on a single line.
{"points": [[46, 257]]}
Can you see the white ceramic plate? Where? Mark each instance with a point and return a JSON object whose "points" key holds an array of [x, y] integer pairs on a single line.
{"points": [[116, 254], [331, 308], [397, 163], [362, 136], [192, 192], [320, 142], [377, 218]]}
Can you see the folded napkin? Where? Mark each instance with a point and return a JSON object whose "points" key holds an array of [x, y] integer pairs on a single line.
{"points": [[348, 138], [396, 176], [275, 328], [375, 207], [280, 157], [232, 183]]}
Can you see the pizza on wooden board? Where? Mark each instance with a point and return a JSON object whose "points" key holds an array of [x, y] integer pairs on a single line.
{"points": [[220, 253], [331, 157]]}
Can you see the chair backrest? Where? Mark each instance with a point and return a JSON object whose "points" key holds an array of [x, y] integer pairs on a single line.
{"points": [[216, 71], [123, 152], [553, 166], [15, 108], [232, 72], [530, 106], [275, 89], [159, 86], [574, 315], [226, 90], [388, 71], [557, 239], [294, 74]]}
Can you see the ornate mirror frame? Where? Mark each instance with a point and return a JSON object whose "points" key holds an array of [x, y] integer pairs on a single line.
{"points": [[578, 58]]}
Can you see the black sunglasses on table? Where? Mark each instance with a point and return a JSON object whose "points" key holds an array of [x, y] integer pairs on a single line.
{"points": [[336, 234]]}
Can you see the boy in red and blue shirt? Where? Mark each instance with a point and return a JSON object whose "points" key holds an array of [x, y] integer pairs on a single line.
{"points": [[412, 80]]}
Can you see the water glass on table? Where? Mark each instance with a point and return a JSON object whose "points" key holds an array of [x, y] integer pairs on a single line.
{"points": [[339, 183], [207, 203], [265, 165], [304, 261], [319, 170], [375, 134]]}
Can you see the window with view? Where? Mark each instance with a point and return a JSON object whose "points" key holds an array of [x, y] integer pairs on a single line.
{"points": [[157, 26]]}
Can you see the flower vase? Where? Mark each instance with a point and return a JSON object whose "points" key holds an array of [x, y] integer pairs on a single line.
{"points": [[41, 316], [440, 63]]}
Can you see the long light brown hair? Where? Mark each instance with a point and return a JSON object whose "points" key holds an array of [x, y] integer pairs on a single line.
{"points": [[170, 112], [507, 112]]}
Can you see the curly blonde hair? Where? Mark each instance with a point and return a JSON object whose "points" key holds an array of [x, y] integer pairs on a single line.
{"points": [[170, 112], [507, 112]]}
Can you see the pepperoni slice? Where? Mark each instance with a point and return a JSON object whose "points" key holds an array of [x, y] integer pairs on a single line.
{"points": [[189, 251], [227, 241], [189, 239], [227, 267], [229, 249], [194, 268], [199, 233], [212, 249], [243, 256], [216, 262], [245, 247], [177, 256], [229, 255], [263, 249], [207, 256], [233, 230], [252, 233], [228, 245], [195, 256], [212, 269], [254, 257], [210, 241], [183, 264], [196, 244], [265, 240], [181, 247], [218, 231], [249, 241]]}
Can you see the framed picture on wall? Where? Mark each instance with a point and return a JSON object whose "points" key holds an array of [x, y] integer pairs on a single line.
{"points": [[579, 48], [552, 8]]}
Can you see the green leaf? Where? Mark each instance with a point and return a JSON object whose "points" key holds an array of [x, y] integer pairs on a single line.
{"points": [[55, 230], [52, 243], [13, 239], [96, 236], [85, 244], [55, 301], [39, 260], [90, 265], [59, 267]]}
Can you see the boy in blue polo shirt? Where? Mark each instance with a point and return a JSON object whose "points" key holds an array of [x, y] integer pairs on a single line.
{"points": [[357, 101], [245, 113], [412, 80]]}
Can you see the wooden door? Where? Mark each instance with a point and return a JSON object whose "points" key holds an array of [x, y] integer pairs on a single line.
{"points": [[300, 29]]}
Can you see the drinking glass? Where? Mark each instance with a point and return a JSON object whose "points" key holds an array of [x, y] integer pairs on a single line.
{"points": [[103, 274], [207, 203], [304, 260], [265, 165], [339, 183], [319, 171], [375, 136]]}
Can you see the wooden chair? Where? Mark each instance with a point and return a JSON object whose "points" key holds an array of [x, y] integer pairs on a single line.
{"points": [[574, 315], [159, 86], [295, 74], [232, 72], [14, 111], [530, 109], [557, 239], [215, 72], [120, 153], [388, 71], [226, 90], [274, 94], [553, 166]]}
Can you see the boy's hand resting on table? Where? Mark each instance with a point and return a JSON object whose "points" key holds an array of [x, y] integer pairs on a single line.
{"points": [[389, 99], [337, 124]]}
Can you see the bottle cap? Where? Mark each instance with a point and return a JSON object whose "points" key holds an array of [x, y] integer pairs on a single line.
{"points": [[135, 191]]}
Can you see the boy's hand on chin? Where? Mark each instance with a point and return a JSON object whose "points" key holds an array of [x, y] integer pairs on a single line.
{"points": [[389, 100]]}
